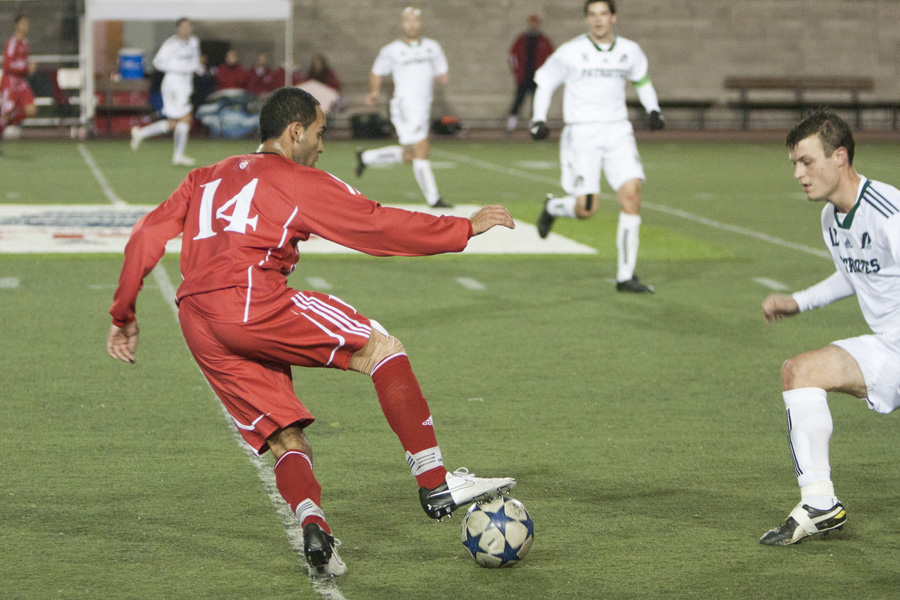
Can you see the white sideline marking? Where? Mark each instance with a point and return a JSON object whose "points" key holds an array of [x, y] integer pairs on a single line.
{"points": [[657, 207], [470, 284], [771, 284], [318, 283], [326, 589], [95, 170], [9, 283]]}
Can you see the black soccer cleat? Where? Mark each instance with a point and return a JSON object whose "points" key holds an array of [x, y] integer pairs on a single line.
{"points": [[360, 165], [458, 489], [320, 550], [805, 521], [441, 203], [634, 285], [545, 220]]}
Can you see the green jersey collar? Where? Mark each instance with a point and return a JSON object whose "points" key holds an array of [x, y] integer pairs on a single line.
{"points": [[848, 219], [599, 49]]}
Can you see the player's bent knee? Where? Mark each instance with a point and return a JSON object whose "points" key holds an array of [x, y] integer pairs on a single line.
{"points": [[379, 347], [287, 439]]}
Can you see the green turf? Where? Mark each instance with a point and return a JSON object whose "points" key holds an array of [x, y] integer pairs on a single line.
{"points": [[647, 433]]}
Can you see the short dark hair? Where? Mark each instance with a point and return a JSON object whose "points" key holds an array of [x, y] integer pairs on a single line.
{"points": [[180, 21], [285, 106], [610, 3], [20, 17], [833, 131]]}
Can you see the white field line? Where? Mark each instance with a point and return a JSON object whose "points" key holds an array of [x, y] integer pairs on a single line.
{"points": [[327, 589], [317, 283], [771, 284], [95, 170], [519, 174], [470, 284], [9, 283]]}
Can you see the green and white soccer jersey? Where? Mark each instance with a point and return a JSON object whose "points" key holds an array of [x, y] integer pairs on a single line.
{"points": [[594, 77], [865, 247]]}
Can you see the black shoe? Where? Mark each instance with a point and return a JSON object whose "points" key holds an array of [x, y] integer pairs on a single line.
{"points": [[805, 521], [441, 203], [321, 554], [545, 221], [634, 285], [360, 165]]}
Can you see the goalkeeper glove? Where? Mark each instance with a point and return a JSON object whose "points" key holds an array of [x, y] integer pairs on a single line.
{"points": [[539, 130], [657, 121]]}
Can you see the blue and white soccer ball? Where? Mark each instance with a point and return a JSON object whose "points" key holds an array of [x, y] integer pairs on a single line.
{"points": [[498, 533]]}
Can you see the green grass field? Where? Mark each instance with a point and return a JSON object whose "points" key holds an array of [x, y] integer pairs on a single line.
{"points": [[647, 433]]}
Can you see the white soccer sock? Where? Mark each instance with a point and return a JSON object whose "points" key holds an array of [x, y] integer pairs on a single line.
{"points": [[156, 128], [389, 155], [627, 241], [425, 178], [810, 427], [181, 137], [562, 207]]}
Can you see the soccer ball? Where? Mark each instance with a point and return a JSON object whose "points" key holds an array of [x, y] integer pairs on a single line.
{"points": [[497, 533]]}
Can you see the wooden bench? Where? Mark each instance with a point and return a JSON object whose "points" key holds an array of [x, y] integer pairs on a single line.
{"points": [[799, 88], [699, 106]]}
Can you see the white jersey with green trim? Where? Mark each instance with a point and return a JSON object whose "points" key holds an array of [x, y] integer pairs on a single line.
{"points": [[413, 66], [594, 76], [865, 247]]}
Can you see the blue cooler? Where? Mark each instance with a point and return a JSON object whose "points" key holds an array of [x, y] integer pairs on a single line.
{"points": [[131, 63]]}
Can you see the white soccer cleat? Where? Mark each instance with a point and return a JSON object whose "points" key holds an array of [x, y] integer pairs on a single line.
{"points": [[183, 161], [135, 138], [460, 488], [805, 521]]}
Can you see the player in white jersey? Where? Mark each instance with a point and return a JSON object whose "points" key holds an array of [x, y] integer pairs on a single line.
{"points": [[861, 227], [415, 63], [179, 59], [597, 134]]}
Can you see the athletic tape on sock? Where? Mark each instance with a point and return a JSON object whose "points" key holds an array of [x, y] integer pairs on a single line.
{"points": [[424, 460]]}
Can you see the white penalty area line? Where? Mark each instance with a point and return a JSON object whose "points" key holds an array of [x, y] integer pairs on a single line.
{"points": [[519, 174], [326, 589], [98, 175]]}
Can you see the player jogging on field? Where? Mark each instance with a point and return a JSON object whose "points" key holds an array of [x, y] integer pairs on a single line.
{"points": [[16, 97], [179, 59], [241, 221], [861, 228], [415, 63], [598, 135]]}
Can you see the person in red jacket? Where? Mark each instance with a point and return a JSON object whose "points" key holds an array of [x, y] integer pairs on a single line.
{"points": [[262, 78], [241, 220], [526, 55], [230, 74], [16, 97]]}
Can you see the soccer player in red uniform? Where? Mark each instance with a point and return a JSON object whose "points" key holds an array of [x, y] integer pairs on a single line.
{"points": [[241, 220], [16, 97]]}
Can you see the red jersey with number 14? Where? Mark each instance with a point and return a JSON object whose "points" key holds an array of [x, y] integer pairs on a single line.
{"points": [[242, 219]]}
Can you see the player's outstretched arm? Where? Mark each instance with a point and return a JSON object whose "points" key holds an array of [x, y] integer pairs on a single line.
{"points": [[121, 343], [778, 306], [490, 216]]}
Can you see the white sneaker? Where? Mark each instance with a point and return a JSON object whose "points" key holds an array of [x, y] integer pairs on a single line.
{"points": [[321, 553], [135, 138], [805, 521], [183, 161], [461, 488]]}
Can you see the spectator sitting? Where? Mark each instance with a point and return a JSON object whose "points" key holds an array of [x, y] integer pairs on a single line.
{"points": [[230, 74], [262, 78], [321, 72]]}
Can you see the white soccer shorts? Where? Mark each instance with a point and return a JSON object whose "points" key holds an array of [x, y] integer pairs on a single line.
{"points": [[410, 119], [176, 92], [878, 357], [587, 149]]}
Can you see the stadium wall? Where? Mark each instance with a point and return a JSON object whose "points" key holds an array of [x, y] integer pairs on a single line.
{"points": [[692, 44]]}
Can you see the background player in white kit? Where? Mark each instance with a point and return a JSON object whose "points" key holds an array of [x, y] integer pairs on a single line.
{"points": [[415, 63], [598, 135], [861, 227], [179, 59]]}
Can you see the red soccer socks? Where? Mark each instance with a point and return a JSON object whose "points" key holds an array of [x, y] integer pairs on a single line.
{"points": [[299, 488]]}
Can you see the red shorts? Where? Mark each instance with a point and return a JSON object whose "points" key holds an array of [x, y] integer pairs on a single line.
{"points": [[248, 365], [15, 96]]}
